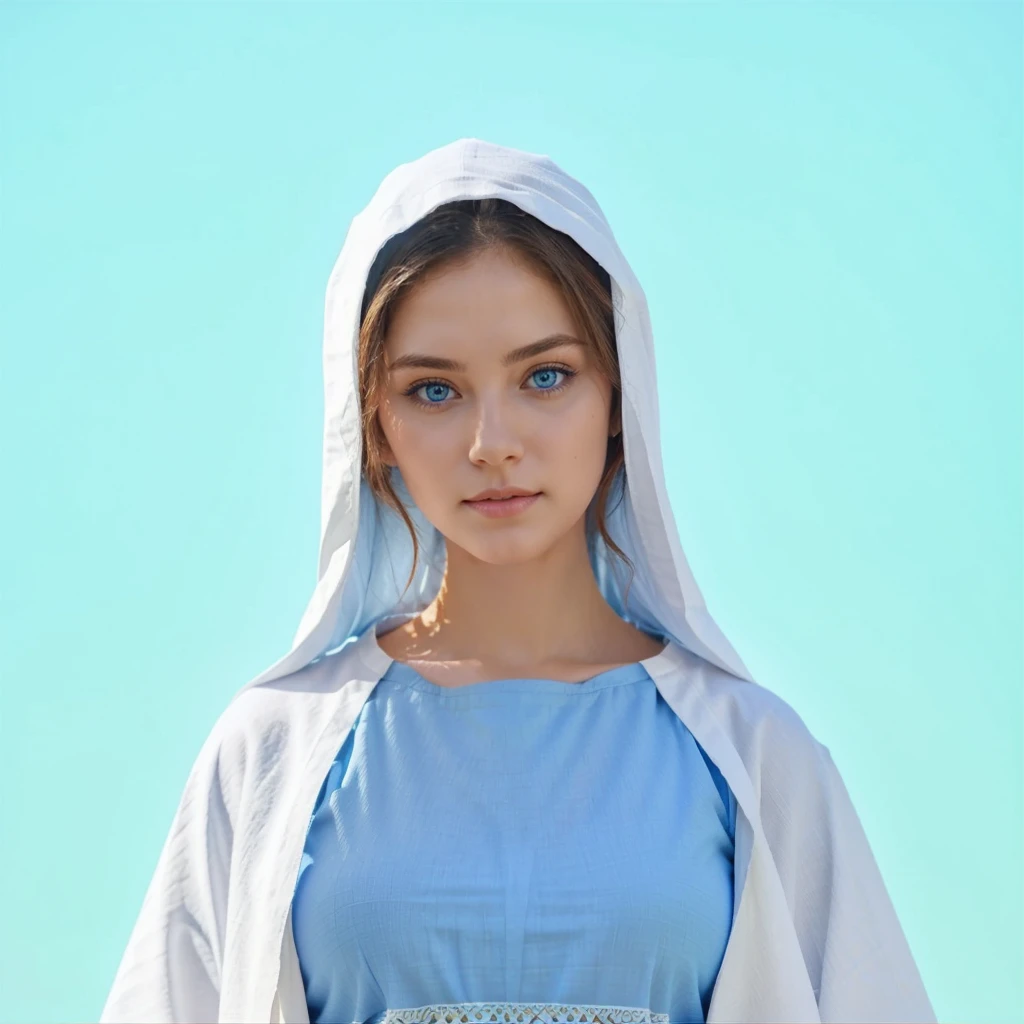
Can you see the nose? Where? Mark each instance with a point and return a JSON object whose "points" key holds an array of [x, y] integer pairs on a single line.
{"points": [[495, 437]]}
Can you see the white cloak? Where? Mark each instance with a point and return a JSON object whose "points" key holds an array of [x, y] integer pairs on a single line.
{"points": [[814, 934]]}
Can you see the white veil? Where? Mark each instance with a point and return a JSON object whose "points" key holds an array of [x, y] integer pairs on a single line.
{"points": [[366, 553]]}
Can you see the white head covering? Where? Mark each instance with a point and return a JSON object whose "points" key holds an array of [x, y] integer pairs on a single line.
{"points": [[365, 557]]}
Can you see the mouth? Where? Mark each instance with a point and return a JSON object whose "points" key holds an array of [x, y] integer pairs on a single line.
{"points": [[499, 508]]}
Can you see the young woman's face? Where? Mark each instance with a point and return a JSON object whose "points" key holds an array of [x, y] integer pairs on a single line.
{"points": [[487, 389]]}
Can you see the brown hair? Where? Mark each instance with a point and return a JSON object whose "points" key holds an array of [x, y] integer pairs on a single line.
{"points": [[452, 234]]}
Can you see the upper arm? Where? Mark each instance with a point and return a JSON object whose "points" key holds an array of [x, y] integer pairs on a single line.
{"points": [[855, 950], [171, 968]]}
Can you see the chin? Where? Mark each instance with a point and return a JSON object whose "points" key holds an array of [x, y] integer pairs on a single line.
{"points": [[507, 552], [518, 545]]}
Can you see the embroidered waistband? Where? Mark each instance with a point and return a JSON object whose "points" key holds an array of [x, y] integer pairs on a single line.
{"points": [[522, 1013]]}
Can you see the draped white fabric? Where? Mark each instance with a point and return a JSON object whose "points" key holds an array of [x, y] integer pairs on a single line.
{"points": [[815, 936]]}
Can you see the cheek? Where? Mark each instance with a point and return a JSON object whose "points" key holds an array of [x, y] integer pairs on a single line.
{"points": [[582, 431], [418, 443]]}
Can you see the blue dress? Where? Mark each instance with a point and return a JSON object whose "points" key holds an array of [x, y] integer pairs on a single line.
{"points": [[516, 850]]}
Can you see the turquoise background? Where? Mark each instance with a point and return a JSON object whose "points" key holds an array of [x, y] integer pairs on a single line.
{"points": [[823, 203]]}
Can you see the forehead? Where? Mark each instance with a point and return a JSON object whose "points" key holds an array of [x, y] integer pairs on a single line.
{"points": [[489, 302]]}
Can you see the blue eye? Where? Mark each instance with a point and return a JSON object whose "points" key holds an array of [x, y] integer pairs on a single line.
{"points": [[432, 396], [549, 373]]}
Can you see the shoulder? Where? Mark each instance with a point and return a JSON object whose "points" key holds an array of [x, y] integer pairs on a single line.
{"points": [[780, 753], [267, 728], [751, 713], [799, 795]]}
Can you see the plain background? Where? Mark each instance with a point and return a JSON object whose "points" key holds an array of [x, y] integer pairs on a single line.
{"points": [[823, 203]]}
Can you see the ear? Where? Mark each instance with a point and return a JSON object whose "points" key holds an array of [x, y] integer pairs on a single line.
{"points": [[615, 423], [387, 456]]}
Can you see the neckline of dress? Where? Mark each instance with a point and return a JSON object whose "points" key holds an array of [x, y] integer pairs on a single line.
{"points": [[618, 675], [635, 671]]}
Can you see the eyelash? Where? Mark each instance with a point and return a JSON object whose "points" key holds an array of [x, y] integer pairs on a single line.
{"points": [[568, 373]]}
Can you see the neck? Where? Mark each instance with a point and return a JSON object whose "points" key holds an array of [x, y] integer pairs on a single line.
{"points": [[548, 610]]}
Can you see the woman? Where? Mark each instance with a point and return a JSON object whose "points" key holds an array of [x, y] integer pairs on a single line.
{"points": [[510, 770]]}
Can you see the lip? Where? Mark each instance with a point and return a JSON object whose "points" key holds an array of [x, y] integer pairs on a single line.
{"points": [[498, 508], [501, 492]]}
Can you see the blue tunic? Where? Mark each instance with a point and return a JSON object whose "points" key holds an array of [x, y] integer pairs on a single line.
{"points": [[567, 846]]}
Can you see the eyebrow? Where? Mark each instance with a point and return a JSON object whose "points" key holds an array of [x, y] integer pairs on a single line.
{"points": [[517, 355]]}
